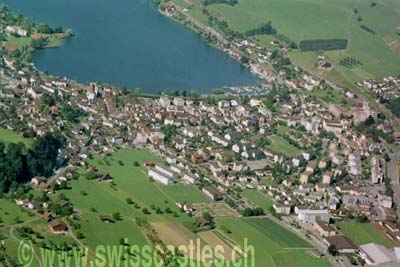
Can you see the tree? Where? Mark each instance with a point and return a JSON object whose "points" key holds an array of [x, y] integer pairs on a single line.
{"points": [[332, 250], [116, 216], [42, 157]]}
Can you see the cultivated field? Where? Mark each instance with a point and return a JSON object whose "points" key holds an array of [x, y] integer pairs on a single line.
{"points": [[274, 245], [214, 240], [277, 234]]}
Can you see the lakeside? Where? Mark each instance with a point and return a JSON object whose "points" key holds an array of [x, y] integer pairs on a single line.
{"points": [[152, 52]]}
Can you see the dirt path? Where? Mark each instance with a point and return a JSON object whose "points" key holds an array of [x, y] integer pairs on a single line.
{"points": [[33, 250], [349, 32]]}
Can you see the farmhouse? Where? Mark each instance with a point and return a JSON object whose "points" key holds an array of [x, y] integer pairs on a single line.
{"points": [[59, 227]]}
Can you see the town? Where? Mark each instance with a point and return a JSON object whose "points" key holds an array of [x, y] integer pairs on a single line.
{"points": [[318, 163]]}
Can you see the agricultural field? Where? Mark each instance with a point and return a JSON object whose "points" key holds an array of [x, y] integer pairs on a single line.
{"points": [[280, 145], [258, 198], [7, 136], [363, 233], [264, 235], [277, 234], [377, 51]]}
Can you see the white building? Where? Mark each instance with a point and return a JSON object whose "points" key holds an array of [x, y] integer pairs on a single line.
{"points": [[164, 171], [282, 209], [189, 179], [312, 216], [377, 255], [160, 177]]}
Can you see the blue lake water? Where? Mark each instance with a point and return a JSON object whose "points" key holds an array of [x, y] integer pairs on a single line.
{"points": [[128, 43]]}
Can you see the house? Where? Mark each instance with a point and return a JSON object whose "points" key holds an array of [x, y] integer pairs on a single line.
{"points": [[385, 201], [211, 192], [33, 205], [312, 216], [379, 256], [150, 163], [59, 227], [105, 218], [37, 180], [324, 229], [327, 178], [342, 244], [376, 170], [197, 158], [304, 177]]}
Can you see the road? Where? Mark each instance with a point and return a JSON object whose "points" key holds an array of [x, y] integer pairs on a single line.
{"points": [[393, 173]]}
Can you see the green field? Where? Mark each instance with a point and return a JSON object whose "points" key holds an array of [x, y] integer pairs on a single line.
{"points": [[258, 198], [363, 233], [93, 198], [277, 233], [280, 145], [185, 193], [10, 213], [19, 41], [314, 19], [7, 136], [274, 246]]}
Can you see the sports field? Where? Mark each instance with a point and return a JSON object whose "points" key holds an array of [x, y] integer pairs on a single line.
{"points": [[363, 233], [274, 245]]}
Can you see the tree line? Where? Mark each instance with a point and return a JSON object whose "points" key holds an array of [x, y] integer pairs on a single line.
{"points": [[266, 28]]}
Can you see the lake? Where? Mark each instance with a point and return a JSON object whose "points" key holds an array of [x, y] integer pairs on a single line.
{"points": [[128, 43]]}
